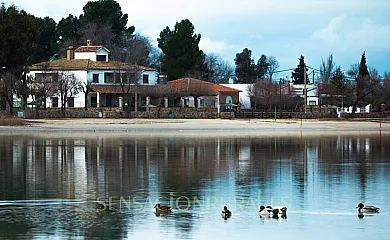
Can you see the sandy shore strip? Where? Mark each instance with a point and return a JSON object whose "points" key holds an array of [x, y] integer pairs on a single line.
{"points": [[190, 127]]}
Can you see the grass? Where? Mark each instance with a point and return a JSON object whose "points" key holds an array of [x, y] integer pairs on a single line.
{"points": [[11, 121]]}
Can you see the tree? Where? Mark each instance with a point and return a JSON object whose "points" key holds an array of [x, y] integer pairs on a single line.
{"points": [[68, 85], [8, 83], [106, 12], [363, 86], [19, 32], [298, 74], [69, 29], [327, 69], [86, 87], [219, 71], [273, 65], [338, 85], [46, 43], [262, 66], [43, 84], [245, 67], [182, 55], [263, 92], [136, 50], [19, 36]]}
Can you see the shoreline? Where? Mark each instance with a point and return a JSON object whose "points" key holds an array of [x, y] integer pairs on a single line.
{"points": [[194, 127]]}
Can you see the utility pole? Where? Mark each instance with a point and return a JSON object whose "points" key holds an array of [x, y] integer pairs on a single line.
{"points": [[304, 82]]}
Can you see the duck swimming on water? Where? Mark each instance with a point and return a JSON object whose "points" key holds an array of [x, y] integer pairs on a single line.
{"points": [[226, 213], [367, 209], [162, 209]]}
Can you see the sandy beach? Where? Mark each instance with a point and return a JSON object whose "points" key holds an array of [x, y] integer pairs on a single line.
{"points": [[190, 127]]}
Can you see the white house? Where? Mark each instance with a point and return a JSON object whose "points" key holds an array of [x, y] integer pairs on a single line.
{"points": [[312, 93], [91, 63]]}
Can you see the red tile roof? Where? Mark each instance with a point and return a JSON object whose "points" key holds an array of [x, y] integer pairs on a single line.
{"points": [[151, 90], [186, 84]]}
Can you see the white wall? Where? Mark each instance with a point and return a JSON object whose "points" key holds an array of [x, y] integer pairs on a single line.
{"points": [[85, 55], [153, 77], [78, 99], [91, 55], [245, 100]]}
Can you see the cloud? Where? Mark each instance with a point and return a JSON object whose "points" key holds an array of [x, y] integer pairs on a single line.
{"points": [[331, 33], [344, 32], [256, 36], [210, 46]]}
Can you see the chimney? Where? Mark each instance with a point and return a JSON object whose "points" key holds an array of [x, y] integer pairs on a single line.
{"points": [[89, 43], [70, 53]]}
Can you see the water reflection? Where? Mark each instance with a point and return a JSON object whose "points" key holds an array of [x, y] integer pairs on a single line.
{"points": [[50, 186]]}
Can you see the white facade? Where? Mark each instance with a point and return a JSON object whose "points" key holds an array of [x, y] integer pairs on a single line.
{"points": [[245, 101], [85, 73], [312, 93], [91, 55], [78, 99]]}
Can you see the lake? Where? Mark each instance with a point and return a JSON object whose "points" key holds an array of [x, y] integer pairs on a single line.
{"points": [[50, 186]]}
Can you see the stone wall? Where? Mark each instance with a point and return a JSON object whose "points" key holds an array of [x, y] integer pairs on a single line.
{"points": [[58, 114], [180, 113]]}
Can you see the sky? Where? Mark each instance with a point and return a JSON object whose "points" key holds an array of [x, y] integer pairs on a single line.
{"points": [[284, 29]]}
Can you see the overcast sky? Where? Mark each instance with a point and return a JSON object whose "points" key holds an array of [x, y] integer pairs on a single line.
{"points": [[281, 28]]}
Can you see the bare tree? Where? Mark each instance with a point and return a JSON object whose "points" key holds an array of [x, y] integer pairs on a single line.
{"points": [[273, 65], [327, 69], [263, 92], [136, 49], [68, 85], [219, 71], [43, 84], [86, 87]]}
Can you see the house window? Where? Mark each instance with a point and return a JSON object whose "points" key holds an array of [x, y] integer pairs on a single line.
{"points": [[95, 78], [93, 101], [145, 79], [201, 102], [70, 101], [54, 102], [108, 77], [117, 77], [46, 77], [101, 58]]}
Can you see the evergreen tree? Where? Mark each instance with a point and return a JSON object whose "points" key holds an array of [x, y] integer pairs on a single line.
{"points": [[182, 56], [363, 85], [69, 29], [262, 66], [105, 12], [338, 82], [363, 70], [245, 67], [298, 74]]}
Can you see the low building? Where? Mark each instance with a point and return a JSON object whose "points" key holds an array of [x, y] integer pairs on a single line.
{"points": [[200, 93]]}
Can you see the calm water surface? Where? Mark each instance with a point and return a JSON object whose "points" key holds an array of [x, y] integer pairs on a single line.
{"points": [[49, 187]]}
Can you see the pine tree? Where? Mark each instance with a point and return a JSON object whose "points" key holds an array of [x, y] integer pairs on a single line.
{"points": [[298, 74], [245, 66], [262, 66]]}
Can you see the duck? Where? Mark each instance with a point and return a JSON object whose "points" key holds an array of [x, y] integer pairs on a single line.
{"points": [[272, 211], [267, 211], [162, 209], [226, 213], [367, 209], [105, 208]]}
